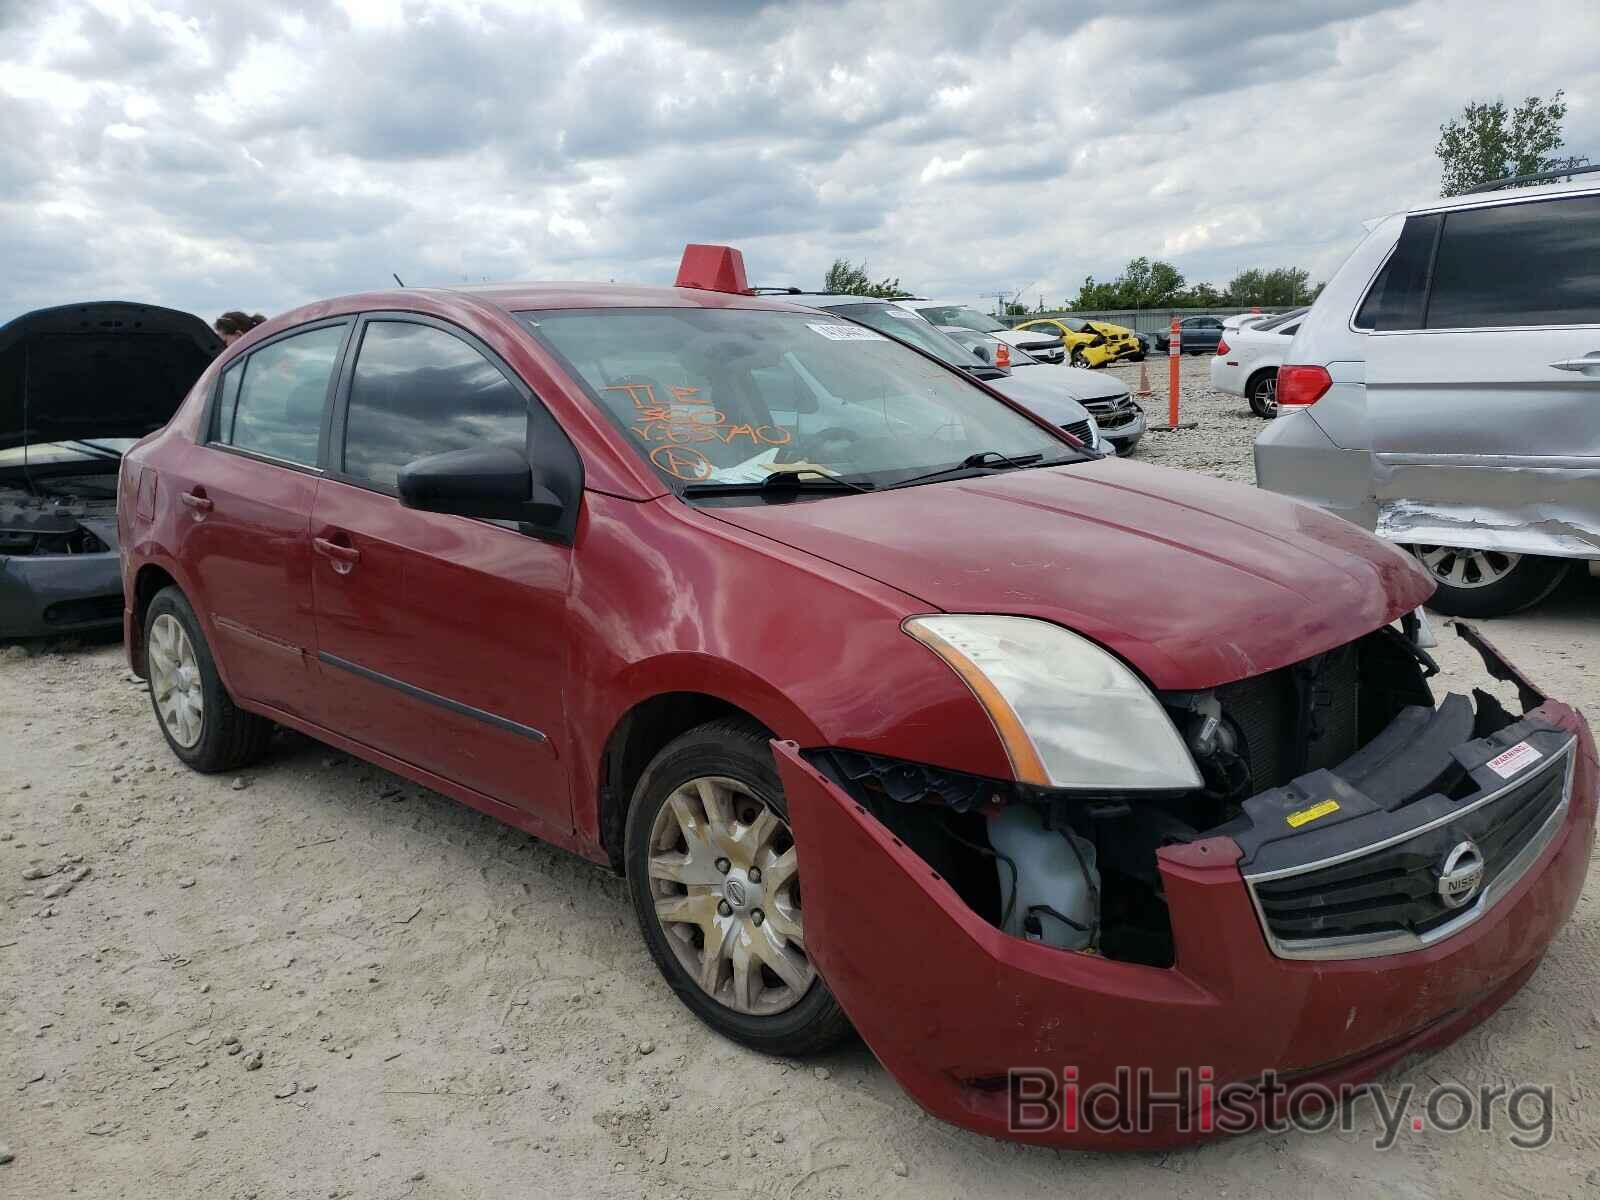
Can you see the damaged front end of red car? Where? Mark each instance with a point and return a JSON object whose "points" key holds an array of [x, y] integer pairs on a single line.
{"points": [[1363, 875]]}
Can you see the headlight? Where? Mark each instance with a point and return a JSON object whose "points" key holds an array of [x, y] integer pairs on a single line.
{"points": [[1070, 714]]}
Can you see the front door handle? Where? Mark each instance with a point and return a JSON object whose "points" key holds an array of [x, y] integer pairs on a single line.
{"points": [[196, 501], [344, 557], [1589, 364]]}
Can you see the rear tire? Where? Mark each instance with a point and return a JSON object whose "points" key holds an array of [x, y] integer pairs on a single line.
{"points": [[200, 721], [1078, 360], [1488, 583], [678, 898], [1262, 391]]}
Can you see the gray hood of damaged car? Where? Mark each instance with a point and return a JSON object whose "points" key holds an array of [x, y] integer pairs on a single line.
{"points": [[104, 369], [1056, 399]]}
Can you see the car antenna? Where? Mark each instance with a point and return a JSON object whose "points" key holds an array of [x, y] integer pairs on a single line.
{"points": [[397, 278]]}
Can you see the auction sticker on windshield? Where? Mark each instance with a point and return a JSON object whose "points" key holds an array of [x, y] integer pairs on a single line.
{"points": [[847, 333]]}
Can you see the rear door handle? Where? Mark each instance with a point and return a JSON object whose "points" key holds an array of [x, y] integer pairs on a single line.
{"points": [[344, 557], [196, 501], [1589, 363]]}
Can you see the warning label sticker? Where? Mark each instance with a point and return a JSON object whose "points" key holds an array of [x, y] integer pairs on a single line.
{"points": [[1306, 815], [1513, 760]]}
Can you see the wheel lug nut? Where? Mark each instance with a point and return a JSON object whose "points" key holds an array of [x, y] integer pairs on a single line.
{"points": [[724, 865], [755, 874], [724, 908], [758, 916]]}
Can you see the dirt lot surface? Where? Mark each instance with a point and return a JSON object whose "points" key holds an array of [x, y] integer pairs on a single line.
{"points": [[319, 980]]}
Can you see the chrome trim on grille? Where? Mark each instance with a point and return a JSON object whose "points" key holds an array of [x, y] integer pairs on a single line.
{"points": [[1374, 945]]}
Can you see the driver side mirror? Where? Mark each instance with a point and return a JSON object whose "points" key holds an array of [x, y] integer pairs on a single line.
{"points": [[492, 482]]}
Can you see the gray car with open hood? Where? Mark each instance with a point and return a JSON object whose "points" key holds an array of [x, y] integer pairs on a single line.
{"points": [[78, 385]]}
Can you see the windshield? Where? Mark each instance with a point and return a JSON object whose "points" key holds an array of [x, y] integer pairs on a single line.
{"points": [[908, 327], [735, 395], [959, 314]]}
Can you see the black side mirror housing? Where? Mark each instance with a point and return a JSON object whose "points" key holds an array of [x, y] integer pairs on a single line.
{"points": [[492, 482]]}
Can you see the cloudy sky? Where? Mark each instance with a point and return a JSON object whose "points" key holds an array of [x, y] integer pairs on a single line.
{"points": [[213, 155]]}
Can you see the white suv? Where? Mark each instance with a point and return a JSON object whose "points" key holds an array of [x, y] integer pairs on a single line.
{"points": [[1444, 391]]}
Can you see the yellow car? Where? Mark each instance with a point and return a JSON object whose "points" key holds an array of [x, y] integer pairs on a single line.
{"points": [[1091, 343]]}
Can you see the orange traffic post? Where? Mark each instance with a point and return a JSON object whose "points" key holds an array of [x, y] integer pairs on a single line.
{"points": [[1174, 350]]}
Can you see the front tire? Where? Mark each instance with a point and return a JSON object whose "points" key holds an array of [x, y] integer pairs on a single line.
{"points": [[1488, 583], [715, 881], [1078, 360], [198, 718]]}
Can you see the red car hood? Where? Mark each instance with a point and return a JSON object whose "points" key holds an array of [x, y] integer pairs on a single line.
{"points": [[1194, 581]]}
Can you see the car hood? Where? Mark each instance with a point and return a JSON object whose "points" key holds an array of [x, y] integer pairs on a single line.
{"points": [[1110, 330], [104, 369], [1055, 402], [1194, 581], [1065, 381], [1025, 337]]}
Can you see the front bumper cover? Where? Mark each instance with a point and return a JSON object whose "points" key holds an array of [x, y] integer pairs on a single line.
{"points": [[51, 595], [949, 1004]]}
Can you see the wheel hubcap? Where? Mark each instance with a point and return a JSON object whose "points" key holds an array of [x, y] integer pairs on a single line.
{"points": [[726, 886], [175, 681], [1467, 568]]}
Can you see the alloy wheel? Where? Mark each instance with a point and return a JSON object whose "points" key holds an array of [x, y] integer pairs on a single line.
{"points": [[1467, 568], [1267, 396], [726, 888], [175, 681]]}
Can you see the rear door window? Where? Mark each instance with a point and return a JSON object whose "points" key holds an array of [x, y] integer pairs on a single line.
{"points": [[418, 390], [273, 403], [1535, 263]]}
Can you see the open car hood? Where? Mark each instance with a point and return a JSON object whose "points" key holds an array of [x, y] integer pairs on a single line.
{"points": [[1194, 581], [105, 369]]}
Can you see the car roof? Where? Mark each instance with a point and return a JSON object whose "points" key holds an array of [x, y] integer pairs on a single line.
{"points": [[1507, 196]]}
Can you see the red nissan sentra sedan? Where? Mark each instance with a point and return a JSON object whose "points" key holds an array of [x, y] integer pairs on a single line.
{"points": [[898, 708]]}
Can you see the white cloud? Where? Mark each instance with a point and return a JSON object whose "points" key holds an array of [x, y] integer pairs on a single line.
{"points": [[240, 155]]}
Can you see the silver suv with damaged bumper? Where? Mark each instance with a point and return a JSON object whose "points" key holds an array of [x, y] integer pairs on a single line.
{"points": [[1444, 392]]}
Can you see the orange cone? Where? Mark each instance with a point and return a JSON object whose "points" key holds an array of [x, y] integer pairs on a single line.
{"points": [[1144, 381]]}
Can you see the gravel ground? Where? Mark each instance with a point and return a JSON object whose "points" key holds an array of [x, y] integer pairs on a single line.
{"points": [[319, 980]]}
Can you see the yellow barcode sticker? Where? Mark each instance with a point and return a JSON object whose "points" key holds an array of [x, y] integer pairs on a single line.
{"points": [[1306, 815]]}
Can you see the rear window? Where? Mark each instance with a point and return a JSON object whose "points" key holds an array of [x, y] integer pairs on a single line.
{"points": [[1536, 263], [273, 403], [1395, 300]]}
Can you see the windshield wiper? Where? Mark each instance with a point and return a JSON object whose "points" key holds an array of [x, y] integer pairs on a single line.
{"points": [[982, 460], [808, 480]]}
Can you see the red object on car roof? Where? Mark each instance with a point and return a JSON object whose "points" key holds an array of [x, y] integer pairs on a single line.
{"points": [[713, 269]]}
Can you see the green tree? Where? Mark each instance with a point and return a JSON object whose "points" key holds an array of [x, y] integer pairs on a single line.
{"points": [[1487, 142], [851, 279], [1143, 284], [1201, 295], [1274, 285]]}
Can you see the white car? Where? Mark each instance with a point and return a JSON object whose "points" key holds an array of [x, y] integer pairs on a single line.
{"points": [[1444, 392], [1247, 358], [952, 312]]}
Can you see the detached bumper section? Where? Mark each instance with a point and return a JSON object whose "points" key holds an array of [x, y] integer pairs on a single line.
{"points": [[1317, 966]]}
